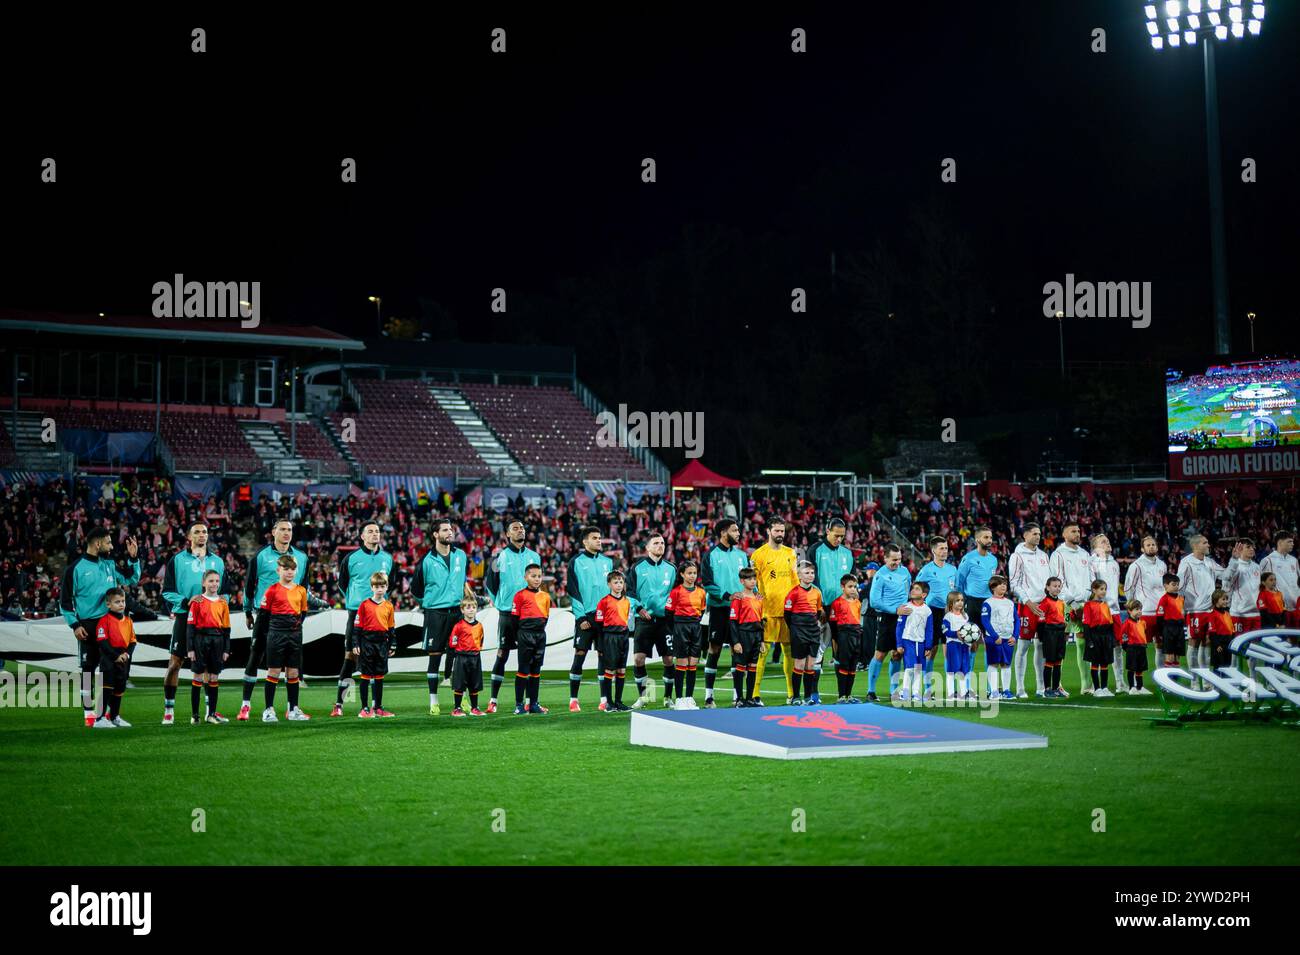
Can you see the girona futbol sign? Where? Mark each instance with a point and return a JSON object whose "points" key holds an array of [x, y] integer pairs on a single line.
{"points": [[1229, 693], [1234, 463]]}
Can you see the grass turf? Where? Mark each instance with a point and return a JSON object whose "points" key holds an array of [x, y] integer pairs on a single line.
{"points": [[422, 790]]}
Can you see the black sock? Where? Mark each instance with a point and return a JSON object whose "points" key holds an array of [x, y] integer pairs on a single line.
{"points": [[271, 684], [473, 701], [1138, 677], [115, 705], [345, 674], [365, 693], [738, 680], [212, 699], [690, 681], [293, 693], [196, 695], [711, 669], [810, 683], [498, 675], [619, 681], [456, 697], [249, 684], [1095, 684], [670, 679], [379, 692], [534, 689], [169, 696], [521, 685], [679, 678], [106, 699], [431, 674], [638, 671], [1103, 677], [605, 681], [751, 677], [575, 675], [446, 667]]}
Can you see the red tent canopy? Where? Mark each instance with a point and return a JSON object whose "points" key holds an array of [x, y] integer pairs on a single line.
{"points": [[696, 474]]}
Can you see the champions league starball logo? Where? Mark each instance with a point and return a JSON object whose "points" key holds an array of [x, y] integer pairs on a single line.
{"points": [[834, 726], [1270, 692]]}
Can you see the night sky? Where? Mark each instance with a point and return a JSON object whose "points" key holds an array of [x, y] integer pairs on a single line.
{"points": [[523, 171]]}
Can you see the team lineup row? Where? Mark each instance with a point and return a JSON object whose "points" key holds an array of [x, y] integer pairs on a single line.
{"points": [[754, 603]]}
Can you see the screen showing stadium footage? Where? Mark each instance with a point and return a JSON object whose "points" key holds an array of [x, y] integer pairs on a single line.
{"points": [[1247, 404]]}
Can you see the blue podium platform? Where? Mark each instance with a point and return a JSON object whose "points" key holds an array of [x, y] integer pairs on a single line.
{"points": [[821, 732]]}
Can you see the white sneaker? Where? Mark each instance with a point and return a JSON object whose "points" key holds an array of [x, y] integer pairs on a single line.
{"points": [[296, 715], [169, 718], [1145, 691], [121, 723], [691, 704], [1120, 689], [1103, 694], [1088, 691], [268, 715], [104, 723], [680, 704], [638, 703], [1065, 694], [1022, 695]]}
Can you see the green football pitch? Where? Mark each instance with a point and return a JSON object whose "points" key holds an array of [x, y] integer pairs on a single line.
{"points": [[569, 789]]}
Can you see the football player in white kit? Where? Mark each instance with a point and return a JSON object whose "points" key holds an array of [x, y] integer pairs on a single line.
{"points": [[1198, 577], [1105, 567], [1072, 564]]}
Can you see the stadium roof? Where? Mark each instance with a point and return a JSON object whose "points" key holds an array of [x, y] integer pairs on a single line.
{"points": [[179, 329]]}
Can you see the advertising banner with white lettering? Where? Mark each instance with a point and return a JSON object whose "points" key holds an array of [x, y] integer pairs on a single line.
{"points": [[1232, 463]]}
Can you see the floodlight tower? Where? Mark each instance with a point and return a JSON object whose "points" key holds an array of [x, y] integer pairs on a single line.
{"points": [[1175, 23]]}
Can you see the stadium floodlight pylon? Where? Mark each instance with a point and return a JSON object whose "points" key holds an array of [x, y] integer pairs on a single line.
{"points": [[1177, 23]]}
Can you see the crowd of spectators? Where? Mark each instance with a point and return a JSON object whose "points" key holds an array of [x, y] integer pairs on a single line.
{"points": [[38, 519]]}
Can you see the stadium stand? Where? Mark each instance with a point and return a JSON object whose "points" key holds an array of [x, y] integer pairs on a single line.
{"points": [[198, 438], [401, 429], [549, 427]]}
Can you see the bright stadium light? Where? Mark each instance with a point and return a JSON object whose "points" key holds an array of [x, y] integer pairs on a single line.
{"points": [[1185, 26]]}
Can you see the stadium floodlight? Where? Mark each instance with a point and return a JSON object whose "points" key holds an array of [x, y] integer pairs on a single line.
{"points": [[1184, 26]]}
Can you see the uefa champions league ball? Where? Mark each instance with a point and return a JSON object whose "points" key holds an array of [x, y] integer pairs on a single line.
{"points": [[970, 634]]}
